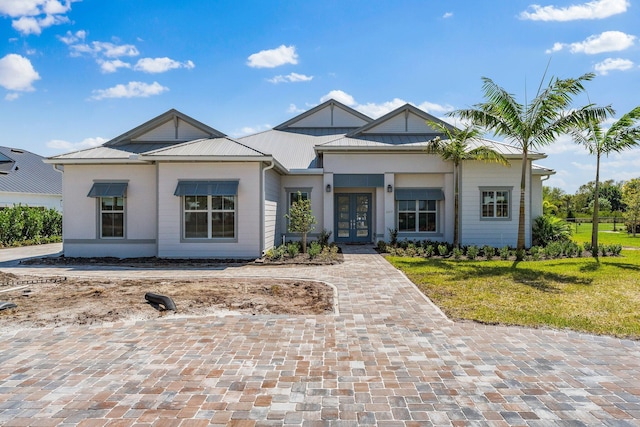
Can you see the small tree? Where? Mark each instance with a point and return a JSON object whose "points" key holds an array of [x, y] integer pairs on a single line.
{"points": [[301, 219], [631, 196]]}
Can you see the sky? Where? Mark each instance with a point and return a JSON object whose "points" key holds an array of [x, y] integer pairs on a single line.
{"points": [[76, 73]]}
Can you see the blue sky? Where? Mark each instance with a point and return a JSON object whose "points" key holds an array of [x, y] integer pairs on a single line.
{"points": [[76, 73]]}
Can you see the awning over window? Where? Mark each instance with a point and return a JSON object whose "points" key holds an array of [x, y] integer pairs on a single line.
{"points": [[108, 189], [419, 194], [358, 180], [206, 188]]}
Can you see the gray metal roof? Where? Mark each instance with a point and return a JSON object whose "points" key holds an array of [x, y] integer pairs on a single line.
{"points": [[28, 173], [96, 153], [206, 148], [292, 149]]}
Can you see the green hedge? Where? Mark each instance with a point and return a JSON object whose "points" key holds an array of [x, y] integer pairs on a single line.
{"points": [[21, 224]]}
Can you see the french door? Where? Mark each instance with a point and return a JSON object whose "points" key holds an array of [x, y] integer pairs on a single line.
{"points": [[352, 217]]}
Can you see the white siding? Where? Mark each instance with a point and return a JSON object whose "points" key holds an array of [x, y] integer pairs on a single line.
{"points": [[49, 201], [167, 132], [342, 118], [320, 118], [536, 197], [395, 124], [272, 209], [80, 213], [497, 233], [248, 218]]}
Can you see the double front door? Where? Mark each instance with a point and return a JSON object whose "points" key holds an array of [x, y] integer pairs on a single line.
{"points": [[353, 217]]}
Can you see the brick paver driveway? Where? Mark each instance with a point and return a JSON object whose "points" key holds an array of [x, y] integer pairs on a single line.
{"points": [[388, 357]]}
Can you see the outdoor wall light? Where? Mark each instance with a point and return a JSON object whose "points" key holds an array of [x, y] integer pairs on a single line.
{"points": [[389, 189], [328, 188]]}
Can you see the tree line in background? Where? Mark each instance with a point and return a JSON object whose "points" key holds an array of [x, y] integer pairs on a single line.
{"points": [[618, 202], [22, 225]]}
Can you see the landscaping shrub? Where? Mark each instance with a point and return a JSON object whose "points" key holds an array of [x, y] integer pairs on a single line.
{"points": [[457, 253], [505, 253], [443, 250], [324, 236], [429, 251], [548, 228], [20, 224], [393, 236], [489, 252], [293, 249], [472, 252], [382, 246], [314, 249]]}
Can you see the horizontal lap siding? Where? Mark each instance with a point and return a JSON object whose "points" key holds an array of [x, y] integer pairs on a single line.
{"points": [[496, 233], [247, 244], [271, 209], [339, 163]]}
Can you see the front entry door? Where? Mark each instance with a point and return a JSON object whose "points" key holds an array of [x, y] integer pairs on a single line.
{"points": [[353, 217]]}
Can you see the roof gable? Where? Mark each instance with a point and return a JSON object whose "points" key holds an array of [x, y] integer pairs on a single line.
{"points": [[406, 120], [329, 114], [172, 126]]}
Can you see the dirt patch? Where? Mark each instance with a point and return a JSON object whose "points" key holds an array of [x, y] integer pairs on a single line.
{"points": [[78, 301]]}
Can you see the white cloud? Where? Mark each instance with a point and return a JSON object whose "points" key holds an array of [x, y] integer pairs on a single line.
{"points": [[290, 78], [447, 15], [106, 49], [293, 109], [32, 16], [17, 73], [161, 65], [339, 96], [58, 144], [596, 9], [12, 96], [250, 130], [608, 41], [112, 66], [130, 90], [611, 64], [272, 58], [377, 110], [71, 38]]}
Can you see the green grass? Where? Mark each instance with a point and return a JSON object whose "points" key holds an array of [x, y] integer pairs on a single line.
{"points": [[578, 293], [606, 235]]}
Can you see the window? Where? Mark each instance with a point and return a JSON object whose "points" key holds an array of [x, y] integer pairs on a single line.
{"points": [[417, 215], [111, 217], [495, 204], [294, 196], [209, 217]]}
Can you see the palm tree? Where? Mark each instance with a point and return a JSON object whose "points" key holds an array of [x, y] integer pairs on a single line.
{"points": [[531, 125], [623, 134], [456, 149]]}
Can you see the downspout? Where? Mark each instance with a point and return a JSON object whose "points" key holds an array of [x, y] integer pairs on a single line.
{"points": [[263, 205], [60, 168]]}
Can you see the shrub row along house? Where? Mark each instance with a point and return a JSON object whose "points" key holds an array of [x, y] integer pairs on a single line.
{"points": [[175, 187]]}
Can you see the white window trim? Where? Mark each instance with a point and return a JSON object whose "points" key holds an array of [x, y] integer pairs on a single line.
{"points": [[509, 191], [209, 210], [124, 218], [417, 211]]}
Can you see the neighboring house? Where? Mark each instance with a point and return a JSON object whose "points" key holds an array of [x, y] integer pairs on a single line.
{"points": [[25, 179], [175, 187]]}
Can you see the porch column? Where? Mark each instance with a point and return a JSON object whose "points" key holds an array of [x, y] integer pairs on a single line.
{"points": [[389, 204]]}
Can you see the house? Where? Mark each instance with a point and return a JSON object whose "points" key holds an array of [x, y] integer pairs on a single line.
{"points": [[26, 180], [175, 187]]}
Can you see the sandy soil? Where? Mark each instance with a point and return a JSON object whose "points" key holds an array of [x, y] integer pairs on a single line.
{"points": [[78, 301]]}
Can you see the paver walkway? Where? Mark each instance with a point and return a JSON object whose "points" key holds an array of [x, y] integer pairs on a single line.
{"points": [[388, 358]]}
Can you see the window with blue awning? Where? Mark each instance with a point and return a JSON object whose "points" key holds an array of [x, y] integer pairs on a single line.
{"points": [[108, 189], [207, 188], [419, 194]]}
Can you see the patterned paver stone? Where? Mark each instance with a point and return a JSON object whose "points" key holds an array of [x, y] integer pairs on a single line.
{"points": [[387, 357]]}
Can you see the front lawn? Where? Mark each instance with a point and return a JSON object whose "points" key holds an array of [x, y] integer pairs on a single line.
{"points": [[606, 235], [575, 293]]}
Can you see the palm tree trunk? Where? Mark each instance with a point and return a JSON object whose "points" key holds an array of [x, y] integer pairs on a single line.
{"points": [[523, 187], [596, 208], [456, 206]]}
